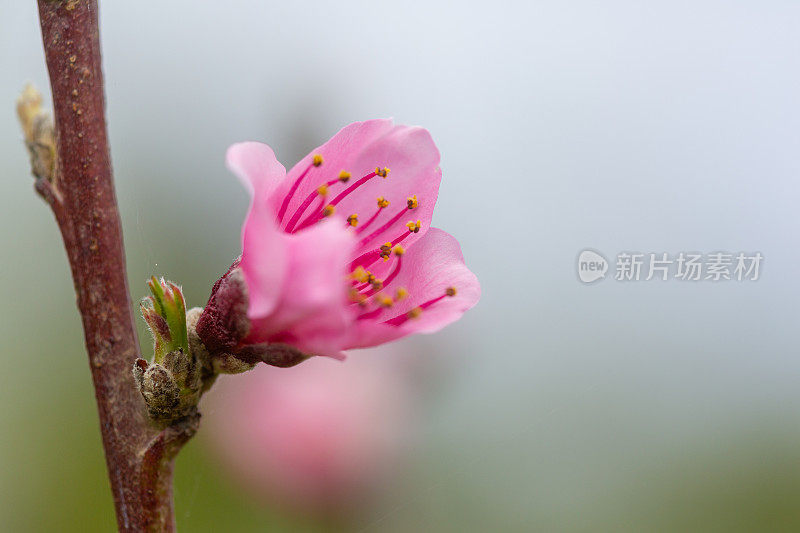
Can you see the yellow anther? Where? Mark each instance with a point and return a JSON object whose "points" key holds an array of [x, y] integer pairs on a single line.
{"points": [[384, 301], [414, 313], [316, 160], [399, 250], [323, 190], [377, 284], [386, 250], [382, 202], [358, 297], [382, 172], [360, 274], [400, 294], [450, 291], [328, 210], [353, 220], [412, 202], [344, 176], [414, 227]]}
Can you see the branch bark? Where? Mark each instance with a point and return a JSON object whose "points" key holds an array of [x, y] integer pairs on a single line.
{"points": [[80, 191]]}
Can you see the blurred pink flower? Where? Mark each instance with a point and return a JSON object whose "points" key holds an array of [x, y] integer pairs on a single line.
{"points": [[339, 253], [319, 437]]}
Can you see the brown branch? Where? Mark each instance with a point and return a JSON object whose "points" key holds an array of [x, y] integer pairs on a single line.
{"points": [[158, 461], [80, 190]]}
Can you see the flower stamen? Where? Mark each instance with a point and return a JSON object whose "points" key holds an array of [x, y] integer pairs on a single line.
{"points": [[371, 314], [383, 203], [360, 274], [358, 298], [288, 198], [384, 301], [383, 228], [414, 313], [386, 251], [417, 311], [353, 187], [365, 259], [401, 293], [321, 191]]}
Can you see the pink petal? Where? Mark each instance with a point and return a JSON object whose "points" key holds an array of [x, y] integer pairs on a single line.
{"points": [[413, 160], [432, 265], [264, 254], [336, 154], [313, 313], [255, 164]]}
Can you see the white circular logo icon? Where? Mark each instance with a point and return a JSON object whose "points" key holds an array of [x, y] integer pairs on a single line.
{"points": [[591, 266]]}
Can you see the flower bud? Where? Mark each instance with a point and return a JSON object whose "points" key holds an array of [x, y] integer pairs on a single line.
{"points": [[223, 326], [159, 389], [165, 314], [172, 383], [224, 320]]}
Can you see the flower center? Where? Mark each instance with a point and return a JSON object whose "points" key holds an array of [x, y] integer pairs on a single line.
{"points": [[323, 210], [375, 296]]}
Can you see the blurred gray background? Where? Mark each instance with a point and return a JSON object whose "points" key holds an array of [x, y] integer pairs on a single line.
{"points": [[648, 126]]}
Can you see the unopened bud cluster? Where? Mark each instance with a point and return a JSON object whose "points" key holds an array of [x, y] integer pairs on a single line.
{"points": [[171, 384], [191, 348]]}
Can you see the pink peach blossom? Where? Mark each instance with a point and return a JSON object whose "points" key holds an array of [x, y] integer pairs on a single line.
{"points": [[320, 437], [339, 253]]}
